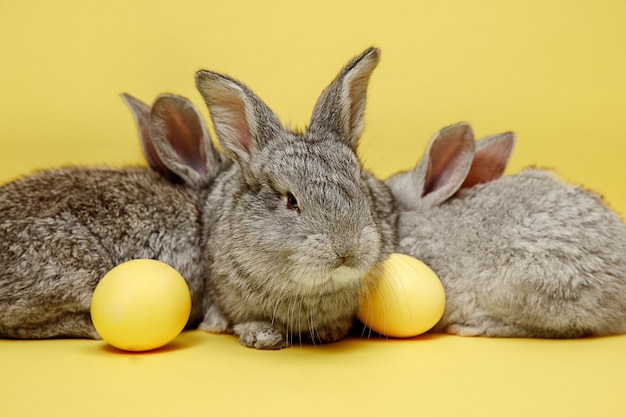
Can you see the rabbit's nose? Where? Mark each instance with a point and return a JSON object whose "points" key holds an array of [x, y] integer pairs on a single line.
{"points": [[345, 256], [343, 260]]}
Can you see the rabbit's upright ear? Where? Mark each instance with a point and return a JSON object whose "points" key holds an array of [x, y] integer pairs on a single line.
{"points": [[141, 114], [441, 171], [341, 106], [446, 163], [242, 122], [181, 141], [492, 155]]}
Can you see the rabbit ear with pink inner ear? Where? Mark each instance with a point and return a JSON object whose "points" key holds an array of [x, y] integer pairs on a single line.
{"points": [[174, 139], [182, 141], [492, 155], [141, 114], [243, 123], [446, 163], [341, 107], [441, 171]]}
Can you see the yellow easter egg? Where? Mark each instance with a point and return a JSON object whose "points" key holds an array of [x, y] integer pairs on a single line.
{"points": [[401, 298], [140, 305]]}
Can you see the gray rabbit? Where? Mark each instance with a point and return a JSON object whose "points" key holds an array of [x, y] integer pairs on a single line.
{"points": [[525, 255], [62, 230], [296, 222], [274, 241]]}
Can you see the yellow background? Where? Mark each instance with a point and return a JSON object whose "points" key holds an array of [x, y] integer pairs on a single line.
{"points": [[552, 71]]}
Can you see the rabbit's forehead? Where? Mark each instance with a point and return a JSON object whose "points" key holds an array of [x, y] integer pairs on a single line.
{"points": [[318, 174], [303, 162]]}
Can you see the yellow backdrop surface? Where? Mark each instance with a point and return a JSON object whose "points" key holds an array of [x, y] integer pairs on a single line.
{"points": [[552, 71]]}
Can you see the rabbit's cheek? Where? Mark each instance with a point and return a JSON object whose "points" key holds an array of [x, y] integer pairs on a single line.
{"points": [[370, 244]]}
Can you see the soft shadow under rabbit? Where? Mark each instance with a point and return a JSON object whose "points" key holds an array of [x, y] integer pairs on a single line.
{"points": [[525, 255]]}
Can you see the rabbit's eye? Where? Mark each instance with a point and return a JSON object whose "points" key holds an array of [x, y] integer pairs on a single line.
{"points": [[292, 203]]}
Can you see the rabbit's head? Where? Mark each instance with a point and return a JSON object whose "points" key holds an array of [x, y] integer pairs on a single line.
{"points": [[452, 161], [298, 212]]}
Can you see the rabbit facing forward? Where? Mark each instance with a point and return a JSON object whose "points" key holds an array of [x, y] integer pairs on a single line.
{"points": [[62, 230], [525, 255], [296, 222], [273, 237]]}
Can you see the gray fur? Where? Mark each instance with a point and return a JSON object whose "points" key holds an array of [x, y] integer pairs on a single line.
{"points": [[280, 275], [62, 230], [278, 271], [525, 255]]}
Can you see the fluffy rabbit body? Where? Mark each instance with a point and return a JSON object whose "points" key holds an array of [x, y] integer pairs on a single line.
{"points": [[62, 230], [525, 255], [274, 242]]}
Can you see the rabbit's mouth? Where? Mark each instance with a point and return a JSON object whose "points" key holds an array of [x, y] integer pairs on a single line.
{"points": [[339, 277], [344, 275]]}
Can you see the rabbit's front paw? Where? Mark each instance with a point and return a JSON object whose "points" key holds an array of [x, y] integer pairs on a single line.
{"points": [[259, 335]]}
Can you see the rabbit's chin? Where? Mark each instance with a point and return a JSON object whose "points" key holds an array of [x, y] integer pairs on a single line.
{"points": [[345, 275], [341, 276]]}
